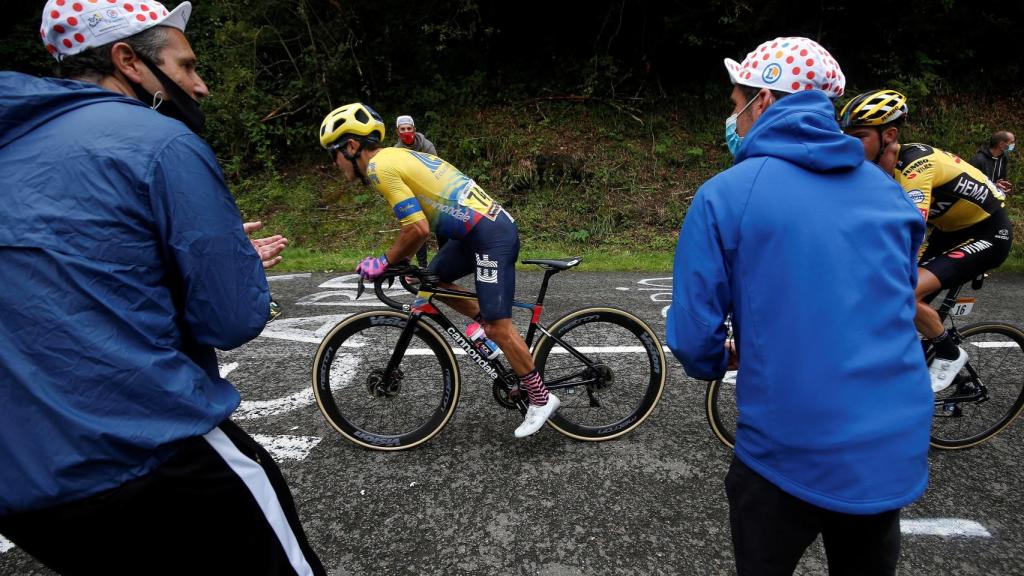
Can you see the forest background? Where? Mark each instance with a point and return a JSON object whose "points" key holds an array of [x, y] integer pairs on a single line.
{"points": [[594, 123]]}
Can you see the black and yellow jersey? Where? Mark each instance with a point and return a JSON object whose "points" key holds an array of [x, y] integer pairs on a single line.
{"points": [[950, 193]]}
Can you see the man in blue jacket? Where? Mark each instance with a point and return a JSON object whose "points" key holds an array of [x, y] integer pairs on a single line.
{"points": [[125, 264], [812, 252]]}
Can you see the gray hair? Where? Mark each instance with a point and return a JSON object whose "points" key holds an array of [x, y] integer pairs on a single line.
{"points": [[95, 63]]}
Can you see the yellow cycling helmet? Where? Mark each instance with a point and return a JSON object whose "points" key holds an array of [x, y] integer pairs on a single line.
{"points": [[874, 108], [356, 120]]}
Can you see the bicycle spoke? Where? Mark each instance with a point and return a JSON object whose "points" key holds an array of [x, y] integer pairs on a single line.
{"points": [[996, 356], [605, 381]]}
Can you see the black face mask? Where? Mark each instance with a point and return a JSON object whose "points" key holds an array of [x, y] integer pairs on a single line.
{"points": [[178, 105]]}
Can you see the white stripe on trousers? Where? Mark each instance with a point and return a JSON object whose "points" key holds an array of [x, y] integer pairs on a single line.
{"points": [[259, 485]]}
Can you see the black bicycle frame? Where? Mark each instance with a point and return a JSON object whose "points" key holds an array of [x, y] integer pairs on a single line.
{"points": [[496, 370]]}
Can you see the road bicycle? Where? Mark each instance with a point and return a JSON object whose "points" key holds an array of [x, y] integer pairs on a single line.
{"points": [[388, 379], [986, 396]]}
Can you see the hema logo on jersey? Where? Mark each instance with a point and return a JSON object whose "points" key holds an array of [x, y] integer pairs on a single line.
{"points": [[486, 269]]}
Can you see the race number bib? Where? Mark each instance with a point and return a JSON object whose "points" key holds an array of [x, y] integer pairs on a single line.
{"points": [[962, 307], [474, 198]]}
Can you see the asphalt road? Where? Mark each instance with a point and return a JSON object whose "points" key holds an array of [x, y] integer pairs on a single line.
{"points": [[474, 500]]}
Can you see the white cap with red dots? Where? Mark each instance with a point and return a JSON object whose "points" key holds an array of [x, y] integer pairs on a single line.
{"points": [[789, 65], [71, 26]]}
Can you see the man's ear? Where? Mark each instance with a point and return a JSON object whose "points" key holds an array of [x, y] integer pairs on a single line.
{"points": [[765, 98], [890, 135], [126, 62]]}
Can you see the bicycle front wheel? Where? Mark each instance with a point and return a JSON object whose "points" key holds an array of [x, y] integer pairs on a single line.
{"points": [[720, 407], [988, 394], [377, 409], [606, 366]]}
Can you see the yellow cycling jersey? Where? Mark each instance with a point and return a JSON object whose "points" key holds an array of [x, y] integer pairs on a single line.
{"points": [[950, 193], [422, 186]]}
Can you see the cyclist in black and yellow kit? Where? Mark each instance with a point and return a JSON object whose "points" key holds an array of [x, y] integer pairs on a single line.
{"points": [[969, 229], [428, 194]]}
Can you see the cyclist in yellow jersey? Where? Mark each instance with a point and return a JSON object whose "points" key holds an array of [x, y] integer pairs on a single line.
{"points": [[969, 229], [428, 194]]}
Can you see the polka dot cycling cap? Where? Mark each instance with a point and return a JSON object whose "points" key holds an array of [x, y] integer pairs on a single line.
{"points": [[71, 26], [789, 65]]}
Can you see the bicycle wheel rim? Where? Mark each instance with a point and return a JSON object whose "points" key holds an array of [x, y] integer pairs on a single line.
{"points": [[355, 353], [996, 355], [720, 404], [626, 348]]}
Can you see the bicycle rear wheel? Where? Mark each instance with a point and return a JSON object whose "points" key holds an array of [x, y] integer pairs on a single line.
{"points": [[615, 382], [374, 409], [988, 394], [720, 408]]}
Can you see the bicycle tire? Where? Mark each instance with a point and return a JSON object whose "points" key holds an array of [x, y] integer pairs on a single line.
{"points": [[720, 409], [621, 345], [350, 362], [996, 355]]}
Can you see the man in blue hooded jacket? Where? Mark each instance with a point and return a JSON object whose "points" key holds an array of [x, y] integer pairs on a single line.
{"points": [[812, 252], [125, 264]]}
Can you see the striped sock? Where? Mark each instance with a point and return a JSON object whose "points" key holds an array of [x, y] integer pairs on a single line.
{"points": [[535, 388]]}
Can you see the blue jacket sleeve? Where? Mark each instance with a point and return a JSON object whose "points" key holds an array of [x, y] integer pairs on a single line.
{"points": [[695, 327], [220, 286]]}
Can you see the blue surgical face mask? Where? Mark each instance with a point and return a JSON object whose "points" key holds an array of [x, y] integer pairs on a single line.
{"points": [[1011, 147], [732, 139]]}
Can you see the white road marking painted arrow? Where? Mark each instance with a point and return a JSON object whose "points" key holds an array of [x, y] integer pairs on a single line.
{"points": [[943, 527], [288, 447]]}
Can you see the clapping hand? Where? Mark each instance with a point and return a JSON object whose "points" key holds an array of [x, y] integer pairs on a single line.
{"points": [[268, 248]]}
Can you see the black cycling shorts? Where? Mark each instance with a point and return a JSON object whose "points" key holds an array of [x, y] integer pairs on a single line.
{"points": [[490, 249], [958, 257]]}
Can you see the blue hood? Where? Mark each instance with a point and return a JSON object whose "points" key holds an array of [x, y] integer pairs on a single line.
{"points": [[801, 128], [27, 102]]}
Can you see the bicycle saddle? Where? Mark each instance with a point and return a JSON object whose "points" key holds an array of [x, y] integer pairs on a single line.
{"points": [[556, 264]]}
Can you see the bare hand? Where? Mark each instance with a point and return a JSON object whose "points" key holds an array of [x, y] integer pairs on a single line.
{"points": [[1005, 186], [268, 248]]}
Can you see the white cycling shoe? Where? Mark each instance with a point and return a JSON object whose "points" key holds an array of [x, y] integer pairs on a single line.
{"points": [[536, 416], [943, 372]]}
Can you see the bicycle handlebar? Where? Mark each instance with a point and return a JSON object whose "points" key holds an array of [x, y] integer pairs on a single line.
{"points": [[400, 270]]}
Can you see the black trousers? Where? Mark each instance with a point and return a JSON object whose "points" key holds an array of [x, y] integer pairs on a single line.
{"points": [[218, 506], [771, 530]]}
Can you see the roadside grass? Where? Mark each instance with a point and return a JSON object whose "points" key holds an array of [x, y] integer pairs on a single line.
{"points": [[306, 260], [580, 178]]}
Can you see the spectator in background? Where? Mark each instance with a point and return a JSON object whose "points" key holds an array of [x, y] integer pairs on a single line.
{"points": [[994, 159], [409, 138], [809, 459], [125, 265]]}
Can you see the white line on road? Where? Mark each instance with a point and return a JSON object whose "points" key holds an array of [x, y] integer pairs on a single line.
{"points": [[994, 344], [943, 527], [255, 409], [287, 277], [288, 447], [310, 329], [346, 281], [226, 369], [5, 545]]}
